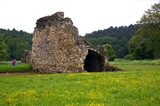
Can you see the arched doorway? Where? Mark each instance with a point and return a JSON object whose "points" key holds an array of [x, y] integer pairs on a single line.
{"points": [[94, 62]]}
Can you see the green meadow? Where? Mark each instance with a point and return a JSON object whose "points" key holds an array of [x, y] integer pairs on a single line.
{"points": [[137, 85], [19, 67]]}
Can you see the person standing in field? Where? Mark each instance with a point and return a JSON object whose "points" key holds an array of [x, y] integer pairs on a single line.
{"points": [[14, 62]]}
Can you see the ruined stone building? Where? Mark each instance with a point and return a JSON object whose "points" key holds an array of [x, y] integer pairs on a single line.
{"points": [[57, 47]]}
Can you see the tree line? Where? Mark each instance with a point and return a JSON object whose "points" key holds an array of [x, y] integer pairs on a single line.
{"points": [[13, 43], [139, 41], [118, 37]]}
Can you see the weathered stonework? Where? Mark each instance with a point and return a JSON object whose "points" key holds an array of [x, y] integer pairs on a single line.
{"points": [[27, 57], [56, 47]]}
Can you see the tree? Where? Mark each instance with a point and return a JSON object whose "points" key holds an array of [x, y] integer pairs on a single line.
{"points": [[118, 37], [20, 47], [17, 46], [3, 48], [145, 44], [111, 52], [17, 42]]}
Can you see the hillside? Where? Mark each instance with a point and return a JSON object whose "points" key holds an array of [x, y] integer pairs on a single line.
{"points": [[118, 37]]}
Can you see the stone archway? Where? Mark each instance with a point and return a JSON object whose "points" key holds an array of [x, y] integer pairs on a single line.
{"points": [[94, 62]]}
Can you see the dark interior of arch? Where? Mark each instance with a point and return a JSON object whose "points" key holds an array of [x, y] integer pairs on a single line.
{"points": [[94, 62]]}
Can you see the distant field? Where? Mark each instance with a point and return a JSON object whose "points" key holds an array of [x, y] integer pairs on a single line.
{"points": [[19, 67], [137, 85], [137, 65], [135, 62]]}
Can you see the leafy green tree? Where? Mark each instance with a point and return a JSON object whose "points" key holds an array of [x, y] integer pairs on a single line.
{"points": [[111, 52], [118, 37], [145, 44], [3, 48], [20, 47], [17, 46], [17, 42]]}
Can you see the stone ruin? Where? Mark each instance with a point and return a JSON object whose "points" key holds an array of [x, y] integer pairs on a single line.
{"points": [[27, 56], [57, 48]]}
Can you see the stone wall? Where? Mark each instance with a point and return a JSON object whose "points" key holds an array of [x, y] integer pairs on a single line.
{"points": [[27, 57], [56, 46]]}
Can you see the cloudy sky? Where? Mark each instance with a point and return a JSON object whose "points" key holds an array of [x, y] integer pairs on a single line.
{"points": [[87, 15]]}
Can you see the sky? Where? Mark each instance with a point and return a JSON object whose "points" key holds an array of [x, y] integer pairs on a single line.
{"points": [[87, 15]]}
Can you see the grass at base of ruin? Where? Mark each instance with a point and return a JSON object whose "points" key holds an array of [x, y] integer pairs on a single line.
{"points": [[19, 67], [138, 84]]}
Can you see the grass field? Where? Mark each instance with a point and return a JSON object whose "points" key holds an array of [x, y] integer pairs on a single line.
{"points": [[137, 85], [19, 67]]}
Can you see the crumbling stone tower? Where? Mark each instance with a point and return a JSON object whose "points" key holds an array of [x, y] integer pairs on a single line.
{"points": [[57, 48]]}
